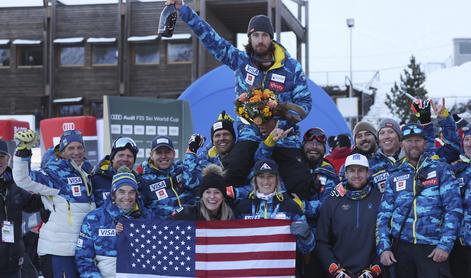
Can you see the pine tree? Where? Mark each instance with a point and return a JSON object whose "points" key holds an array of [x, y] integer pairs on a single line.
{"points": [[412, 82]]}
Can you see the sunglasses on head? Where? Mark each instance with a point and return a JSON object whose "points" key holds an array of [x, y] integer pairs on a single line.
{"points": [[315, 134], [412, 130], [124, 142]]}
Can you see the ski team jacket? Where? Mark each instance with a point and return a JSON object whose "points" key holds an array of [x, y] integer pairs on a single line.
{"points": [[436, 212], [96, 251], [165, 192], [279, 206], [346, 226], [285, 78], [462, 170], [66, 193]]}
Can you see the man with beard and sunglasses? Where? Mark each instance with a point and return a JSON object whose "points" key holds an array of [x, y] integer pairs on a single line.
{"points": [[420, 212], [264, 64], [123, 153]]}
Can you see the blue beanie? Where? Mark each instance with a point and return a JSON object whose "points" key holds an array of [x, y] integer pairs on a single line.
{"points": [[68, 137], [122, 178]]}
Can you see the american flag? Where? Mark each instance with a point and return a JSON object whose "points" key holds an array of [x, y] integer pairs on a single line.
{"points": [[238, 248]]}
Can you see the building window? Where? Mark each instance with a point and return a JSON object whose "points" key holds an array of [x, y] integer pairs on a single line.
{"points": [[465, 48], [72, 56], [4, 57], [179, 53], [30, 56], [71, 110], [97, 109], [146, 54], [105, 55]]}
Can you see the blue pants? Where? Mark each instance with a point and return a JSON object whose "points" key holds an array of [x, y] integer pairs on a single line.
{"points": [[59, 267]]}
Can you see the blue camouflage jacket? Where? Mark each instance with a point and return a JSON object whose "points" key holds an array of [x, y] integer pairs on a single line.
{"points": [[279, 206], [101, 177], [436, 212], [462, 170], [380, 167], [60, 174], [166, 191], [98, 236], [285, 78]]}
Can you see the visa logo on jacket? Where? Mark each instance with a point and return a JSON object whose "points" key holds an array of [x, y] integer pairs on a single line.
{"points": [[106, 232]]}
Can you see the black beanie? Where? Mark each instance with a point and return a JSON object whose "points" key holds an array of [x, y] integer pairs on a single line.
{"points": [[260, 23], [222, 124], [213, 178]]}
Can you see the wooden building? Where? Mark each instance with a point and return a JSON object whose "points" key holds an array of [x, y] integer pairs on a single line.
{"points": [[59, 60]]}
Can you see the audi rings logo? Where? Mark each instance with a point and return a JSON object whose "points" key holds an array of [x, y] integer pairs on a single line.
{"points": [[68, 126]]}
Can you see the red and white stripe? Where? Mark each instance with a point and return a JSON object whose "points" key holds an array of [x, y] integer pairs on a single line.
{"points": [[245, 248]]}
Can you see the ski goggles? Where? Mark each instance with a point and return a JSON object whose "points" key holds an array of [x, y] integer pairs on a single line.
{"points": [[125, 142], [315, 133], [412, 129]]}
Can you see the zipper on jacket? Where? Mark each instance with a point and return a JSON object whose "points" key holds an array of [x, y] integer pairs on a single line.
{"points": [[174, 191], [358, 214]]}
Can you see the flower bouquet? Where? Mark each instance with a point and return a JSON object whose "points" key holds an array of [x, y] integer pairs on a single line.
{"points": [[256, 106]]}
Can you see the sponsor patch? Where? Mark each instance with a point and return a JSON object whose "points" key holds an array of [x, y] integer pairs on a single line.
{"points": [[74, 180], [79, 243], [280, 216], [251, 217], [345, 206], [249, 79], [276, 86], [430, 182], [382, 186], [381, 177], [217, 126], [400, 185], [76, 191], [278, 78], [461, 181], [161, 194], [401, 178], [156, 186], [106, 232], [432, 174], [251, 70]]}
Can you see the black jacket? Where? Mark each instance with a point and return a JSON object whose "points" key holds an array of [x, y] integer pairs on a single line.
{"points": [[13, 201], [346, 229]]}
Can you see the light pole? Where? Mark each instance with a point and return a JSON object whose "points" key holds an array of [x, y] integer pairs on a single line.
{"points": [[350, 25]]}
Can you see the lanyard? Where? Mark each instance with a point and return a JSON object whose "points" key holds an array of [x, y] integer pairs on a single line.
{"points": [[4, 197]]}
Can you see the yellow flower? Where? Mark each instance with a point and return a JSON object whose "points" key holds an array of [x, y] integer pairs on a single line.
{"points": [[240, 111], [255, 98], [266, 110]]}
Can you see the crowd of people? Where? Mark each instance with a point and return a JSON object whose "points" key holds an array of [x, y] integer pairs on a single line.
{"points": [[394, 204]]}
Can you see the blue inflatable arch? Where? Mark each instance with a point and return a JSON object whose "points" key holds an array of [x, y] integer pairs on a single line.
{"points": [[214, 92]]}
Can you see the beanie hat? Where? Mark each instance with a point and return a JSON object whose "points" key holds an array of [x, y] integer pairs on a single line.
{"points": [[68, 137], [361, 126], [123, 143], [213, 178], [123, 177], [222, 124], [466, 130], [3, 147], [343, 140], [387, 122], [260, 23], [265, 166], [161, 141]]}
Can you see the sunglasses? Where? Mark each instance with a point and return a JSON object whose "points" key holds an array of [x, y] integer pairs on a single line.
{"points": [[124, 142], [315, 134], [412, 130]]}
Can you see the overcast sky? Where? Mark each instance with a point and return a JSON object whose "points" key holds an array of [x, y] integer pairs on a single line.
{"points": [[385, 35]]}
